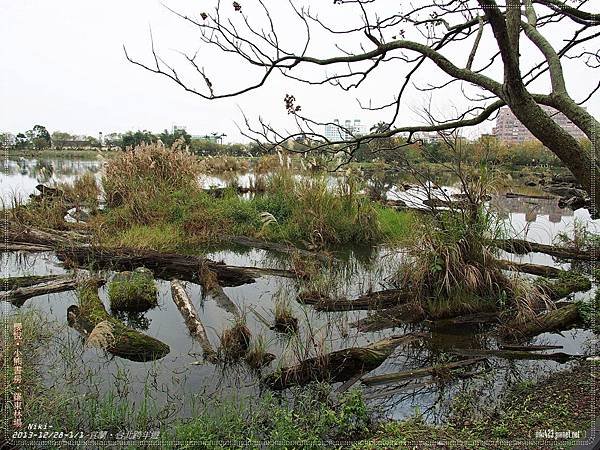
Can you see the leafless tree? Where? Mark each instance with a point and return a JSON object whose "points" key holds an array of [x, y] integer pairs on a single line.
{"points": [[412, 33]]}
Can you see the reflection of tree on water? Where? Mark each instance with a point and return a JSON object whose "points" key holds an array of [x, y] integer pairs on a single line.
{"points": [[135, 320]]}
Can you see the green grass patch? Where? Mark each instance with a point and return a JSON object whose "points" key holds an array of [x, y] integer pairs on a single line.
{"points": [[133, 291]]}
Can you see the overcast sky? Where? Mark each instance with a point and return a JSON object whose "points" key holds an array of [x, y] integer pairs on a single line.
{"points": [[64, 67]]}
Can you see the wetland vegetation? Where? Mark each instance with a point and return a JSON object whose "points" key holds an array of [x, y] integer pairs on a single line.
{"points": [[346, 308]]}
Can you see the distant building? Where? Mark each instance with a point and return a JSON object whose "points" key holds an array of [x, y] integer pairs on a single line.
{"points": [[340, 131], [508, 128], [175, 128]]}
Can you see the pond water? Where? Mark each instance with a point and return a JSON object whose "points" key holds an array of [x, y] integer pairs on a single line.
{"points": [[178, 384]]}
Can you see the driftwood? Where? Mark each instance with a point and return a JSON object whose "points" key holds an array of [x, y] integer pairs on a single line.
{"points": [[521, 247], [514, 354], [125, 342], [191, 317], [372, 300], [533, 269], [418, 373], [19, 295], [339, 366], [287, 249]]}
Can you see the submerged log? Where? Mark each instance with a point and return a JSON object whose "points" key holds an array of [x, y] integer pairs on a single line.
{"points": [[372, 300], [515, 354], [19, 295], [521, 247], [421, 372], [339, 366], [191, 318], [533, 269], [125, 342]]}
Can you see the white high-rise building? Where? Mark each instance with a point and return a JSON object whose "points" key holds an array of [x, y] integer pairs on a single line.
{"points": [[337, 130]]}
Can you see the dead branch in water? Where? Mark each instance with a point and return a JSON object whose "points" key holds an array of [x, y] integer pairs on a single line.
{"points": [[191, 318], [341, 365]]}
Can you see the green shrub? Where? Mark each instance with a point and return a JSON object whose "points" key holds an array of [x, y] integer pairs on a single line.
{"points": [[133, 291]]}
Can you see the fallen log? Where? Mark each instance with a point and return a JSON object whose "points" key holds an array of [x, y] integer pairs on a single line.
{"points": [[339, 366], [515, 354], [418, 373], [372, 300], [533, 269], [10, 283], [287, 249], [163, 265], [538, 197], [554, 320], [22, 234], [521, 247], [191, 318], [24, 247], [19, 295], [530, 348], [124, 342]]}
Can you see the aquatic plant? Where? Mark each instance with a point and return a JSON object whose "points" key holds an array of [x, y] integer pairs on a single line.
{"points": [[133, 291]]}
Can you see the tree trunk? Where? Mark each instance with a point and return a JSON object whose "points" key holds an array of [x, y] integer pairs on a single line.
{"points": [[521, 247]]}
